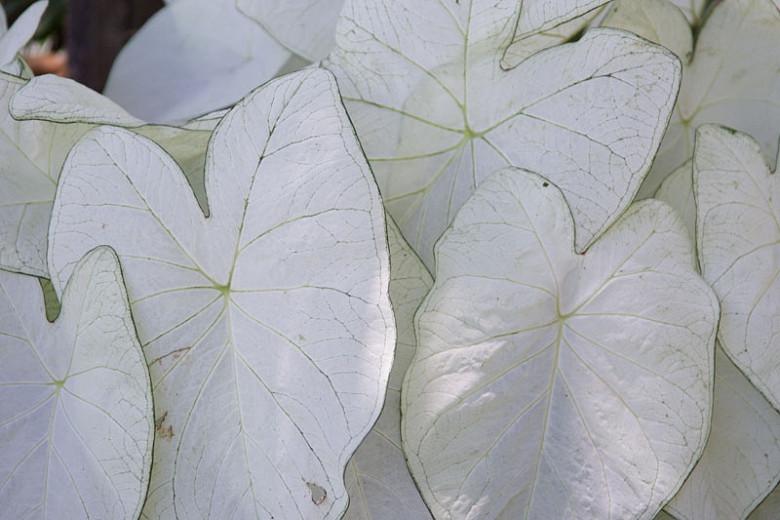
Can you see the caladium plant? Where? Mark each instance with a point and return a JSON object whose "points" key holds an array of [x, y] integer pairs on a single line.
{"points": [[302, 361]]}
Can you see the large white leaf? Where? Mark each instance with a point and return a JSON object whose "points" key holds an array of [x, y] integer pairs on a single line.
{"points": [[267, 326], [40, 121], [12, 41], [741, 462], [731, 79], [436, 114], [192, 57], [76, 423], [378, 481], [738, 236], [306, 27], [548, 384]]}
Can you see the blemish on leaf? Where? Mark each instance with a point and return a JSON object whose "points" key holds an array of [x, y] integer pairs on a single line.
{"points": [[318, 493], [545, 184], [163, 431]]}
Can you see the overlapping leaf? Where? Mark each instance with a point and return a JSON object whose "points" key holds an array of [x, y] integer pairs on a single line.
{"points": [[76, 423], [731, 78], [436, 114], [40, 121], [378, 481], [192, 57], [738, 237], [267, 326], [548, 384]]}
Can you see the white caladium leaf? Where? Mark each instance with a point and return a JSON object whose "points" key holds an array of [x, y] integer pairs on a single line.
{"points": [[76, 423], [305, 27], [741, 462], [436, 114], [659, 21], [769, 509], [738, 36], [40, 121], [192, 57], [378, 481], [3, 22], [267, 326], [738, 238], [548, 384], [18, 35]]}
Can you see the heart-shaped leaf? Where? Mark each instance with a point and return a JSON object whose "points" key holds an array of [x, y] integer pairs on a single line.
{"points": [[436, 114], [267, 326], [76, 423], [738, 237], [548, 384]]}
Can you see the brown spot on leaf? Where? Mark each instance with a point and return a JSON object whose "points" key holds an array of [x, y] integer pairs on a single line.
{"points": [[163, 431], [318, 493]]}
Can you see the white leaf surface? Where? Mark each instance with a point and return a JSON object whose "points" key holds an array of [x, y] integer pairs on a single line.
{"points": [[40, 121], [378, 481], [3, 22], [741, 462], [436, 114], [548, 384], [192, 57], [76, 423], [267, 326], [738, 236], [305, 27], [732, 79], [19, 34]]}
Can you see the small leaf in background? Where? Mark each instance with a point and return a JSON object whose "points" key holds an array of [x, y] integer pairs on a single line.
{"points": [[378, 481], [193, 57], [76, 423]]}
